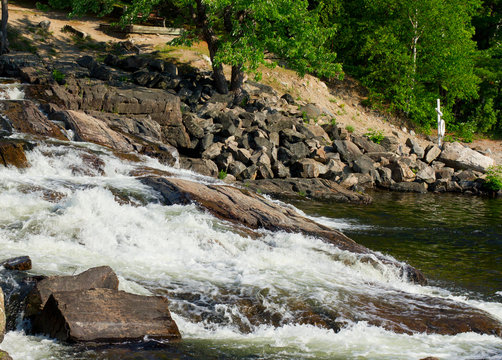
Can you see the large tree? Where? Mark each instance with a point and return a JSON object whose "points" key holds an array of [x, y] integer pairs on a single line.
{"points": [[245, 34], [410, 52]]}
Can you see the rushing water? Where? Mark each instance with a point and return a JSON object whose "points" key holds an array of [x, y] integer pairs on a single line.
{"points": [[68, 215]]}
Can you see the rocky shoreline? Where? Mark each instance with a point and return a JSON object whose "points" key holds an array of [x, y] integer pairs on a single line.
{"points": [[262, 142], [145, 105]]}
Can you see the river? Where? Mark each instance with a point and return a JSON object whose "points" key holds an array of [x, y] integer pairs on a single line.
{"points": [[68, 216]]}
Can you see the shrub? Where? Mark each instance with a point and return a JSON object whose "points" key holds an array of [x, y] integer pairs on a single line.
{"points": [[222, 174], [494, 178], [349, 128], [375, 135], [58, 75]]}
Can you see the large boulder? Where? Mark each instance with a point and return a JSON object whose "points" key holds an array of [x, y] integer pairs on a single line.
{"points": [[254, 211], [25, 117], [98, 277], [105, 315], [460, 157], [347, 149], [90, 129]]}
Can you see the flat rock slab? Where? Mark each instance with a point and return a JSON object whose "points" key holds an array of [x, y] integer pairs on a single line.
{"points": [[105, 315], [247, 208], [98, 277], [317, 189]]}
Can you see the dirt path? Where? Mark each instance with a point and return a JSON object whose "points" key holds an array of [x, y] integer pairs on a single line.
{"points": [[341, 101]]}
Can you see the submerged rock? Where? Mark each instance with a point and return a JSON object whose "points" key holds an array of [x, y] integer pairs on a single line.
{"points": [[105, 315]]}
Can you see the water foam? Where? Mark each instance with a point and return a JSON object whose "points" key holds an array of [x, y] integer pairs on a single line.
{"points": [[182, 250]]}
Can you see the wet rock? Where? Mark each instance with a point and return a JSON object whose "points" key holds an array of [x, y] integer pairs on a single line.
{"points": [[25, 117], [98, 277], [409, 187], [316, 189], [90, 129], [254, 211], [2, 317], [463, 158], [20, 263], [12, 153], [105, 315]]}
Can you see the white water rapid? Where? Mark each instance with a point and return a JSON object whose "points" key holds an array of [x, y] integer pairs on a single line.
{"points": [[68, 216]]}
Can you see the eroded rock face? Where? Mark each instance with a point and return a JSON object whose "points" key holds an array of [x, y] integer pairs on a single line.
{"points": [[12, 153], [25, 117], [90, 129], [98, 277], [105, 315], [464, 158], [254, 211]]}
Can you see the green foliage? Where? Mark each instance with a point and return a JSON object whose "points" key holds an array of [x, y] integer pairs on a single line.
{"points": [[305, 117], [333, 121], [349, 128], [222, 174], [375, 135], [494, 178], [58, 75]]}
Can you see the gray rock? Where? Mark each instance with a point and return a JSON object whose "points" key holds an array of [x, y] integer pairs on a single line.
{"points": [[87, 62], [444, 173], [347, 149], [20, 263], [390, 143], [367, 145], [461, 158], [307, 168], [281, 171], [249, 173], [409, 187], [427, 175], [401, 172], [291, 136], [363, 165], [201, 166], [236, 167], [385, 178], [212, 151], [431, 153], [415, 147], [44, 24], [311, 111], [298, 150], [192, 124]]}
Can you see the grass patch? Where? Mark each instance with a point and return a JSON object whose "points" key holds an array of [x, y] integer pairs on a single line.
{"points": [[19, 42], [349, 128]]}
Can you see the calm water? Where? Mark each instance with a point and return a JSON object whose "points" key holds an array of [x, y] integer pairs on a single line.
{"points": [[455, 240]]}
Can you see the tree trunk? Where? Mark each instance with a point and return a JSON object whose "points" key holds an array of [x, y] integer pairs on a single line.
{"points": [[237, 78], [4, 43], [210, 38]]}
